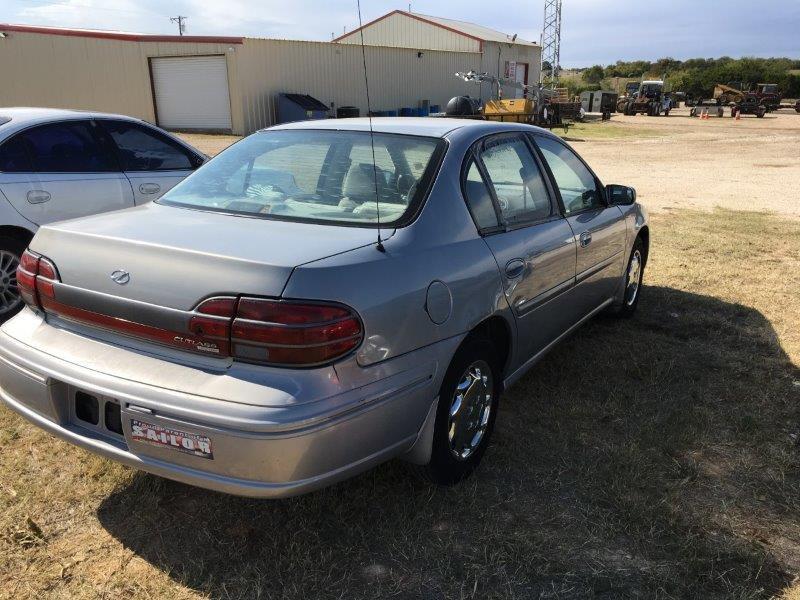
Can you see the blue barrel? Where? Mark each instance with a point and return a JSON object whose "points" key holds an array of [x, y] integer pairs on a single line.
{"points": [[424, 111], [406, 112], [435, 108], [390, 113]]}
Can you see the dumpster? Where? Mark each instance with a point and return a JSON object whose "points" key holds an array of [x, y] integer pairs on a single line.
{"points": [[300, 107]]}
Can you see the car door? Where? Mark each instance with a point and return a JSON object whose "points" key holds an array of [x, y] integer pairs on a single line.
{"points": [[532, 243], [60, 171], [599, 229], [152, 161]]}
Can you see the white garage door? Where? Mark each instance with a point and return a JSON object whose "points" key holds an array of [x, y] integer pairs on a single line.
{"points": [[192, 92]]}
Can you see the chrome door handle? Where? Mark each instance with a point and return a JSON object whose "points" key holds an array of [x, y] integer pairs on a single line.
{"points": [[585, 239], [515, 268], [149, 188], [38, 196]]}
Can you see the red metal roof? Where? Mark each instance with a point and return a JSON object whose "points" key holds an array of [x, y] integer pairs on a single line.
{"points": [[120, 35]]}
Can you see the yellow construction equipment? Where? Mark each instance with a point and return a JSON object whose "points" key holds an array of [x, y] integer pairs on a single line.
{"points": [[515, 110]]}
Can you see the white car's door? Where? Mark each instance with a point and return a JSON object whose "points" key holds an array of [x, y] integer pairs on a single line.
{"points": [[153, 162], [61, 171]]}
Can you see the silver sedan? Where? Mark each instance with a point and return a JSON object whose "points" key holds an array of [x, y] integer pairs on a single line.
{"points": [[320, 298]]}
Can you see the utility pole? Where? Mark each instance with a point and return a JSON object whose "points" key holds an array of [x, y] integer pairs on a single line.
{"points": [[551, 42], [181, 21]]}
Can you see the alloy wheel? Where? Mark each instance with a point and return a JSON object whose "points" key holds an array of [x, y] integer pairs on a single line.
{"points": [[9, 295], [634, 279]]}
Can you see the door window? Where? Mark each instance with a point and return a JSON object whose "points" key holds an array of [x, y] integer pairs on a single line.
{"points": [[14, 156], [141, 149], [65, 148], [578, 187], [478, 198], [516, 180]]}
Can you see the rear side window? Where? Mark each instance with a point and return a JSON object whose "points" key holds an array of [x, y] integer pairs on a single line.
{"points": [[479, 199], [516, 180], [141, 149], [65, 148]]}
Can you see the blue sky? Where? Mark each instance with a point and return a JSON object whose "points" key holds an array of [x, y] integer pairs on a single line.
{"points": [[593, 31]]}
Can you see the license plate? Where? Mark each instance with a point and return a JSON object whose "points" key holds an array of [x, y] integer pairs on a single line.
{"points": [[164, 437]]}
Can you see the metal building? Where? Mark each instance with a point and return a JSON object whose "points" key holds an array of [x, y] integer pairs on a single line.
{"points": [[231, 84], [505, 55]]}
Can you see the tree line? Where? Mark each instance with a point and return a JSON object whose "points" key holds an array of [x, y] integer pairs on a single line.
{"points": [[698, 76]]}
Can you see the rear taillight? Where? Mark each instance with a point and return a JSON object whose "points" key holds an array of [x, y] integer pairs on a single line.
{"points": [[258, 330], [293, 333], [35, 278]]}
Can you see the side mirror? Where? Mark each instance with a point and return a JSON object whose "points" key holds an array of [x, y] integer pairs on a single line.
{"points": [[620, 195]]}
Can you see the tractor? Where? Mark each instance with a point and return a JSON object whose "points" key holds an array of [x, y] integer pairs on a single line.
{"points": [[649, 100], [750, 104]]}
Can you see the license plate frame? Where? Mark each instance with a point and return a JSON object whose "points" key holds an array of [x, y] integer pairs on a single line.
{"points": [[160, 436]]}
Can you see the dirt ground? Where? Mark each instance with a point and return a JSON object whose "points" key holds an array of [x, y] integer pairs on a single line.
{"points": [[655, 457], [749, 164]]}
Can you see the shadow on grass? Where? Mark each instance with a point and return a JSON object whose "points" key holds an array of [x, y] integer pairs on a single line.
{"points": [[652, 457]]}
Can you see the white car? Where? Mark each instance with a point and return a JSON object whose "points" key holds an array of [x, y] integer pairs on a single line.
{"points": [[61, 164]]}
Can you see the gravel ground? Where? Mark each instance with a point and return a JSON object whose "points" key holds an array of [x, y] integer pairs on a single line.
{"points": [[750, 164], [681, 162]]}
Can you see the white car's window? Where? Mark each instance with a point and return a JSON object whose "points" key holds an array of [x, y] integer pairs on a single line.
{"points": [[517, 182], [575, 182], [68, 147], [140, 149], [314, 176]]}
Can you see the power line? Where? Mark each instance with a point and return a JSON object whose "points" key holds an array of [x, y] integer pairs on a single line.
{"points": [[180, 20]]}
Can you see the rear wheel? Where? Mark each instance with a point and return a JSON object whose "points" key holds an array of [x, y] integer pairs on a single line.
{"points": [[633, 280], [11, 248], [466, 413]]}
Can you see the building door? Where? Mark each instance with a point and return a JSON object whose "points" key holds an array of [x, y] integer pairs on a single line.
{"points": [[191, 92], [521, 77]]}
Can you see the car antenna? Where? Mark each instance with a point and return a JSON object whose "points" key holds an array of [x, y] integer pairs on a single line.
{"points": [[371, 132]]}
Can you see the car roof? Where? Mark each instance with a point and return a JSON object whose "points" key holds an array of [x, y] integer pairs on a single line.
{"points": [[422, 126], [20, 116]]}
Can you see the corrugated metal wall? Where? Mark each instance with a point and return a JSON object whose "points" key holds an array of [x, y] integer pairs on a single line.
{"points": [[113, 75], [495, 56], [398, 77], [87, 73], [402, 31]]}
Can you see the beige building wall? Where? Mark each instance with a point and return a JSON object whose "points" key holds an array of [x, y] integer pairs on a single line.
{"points": [[112, 75], [494, 58], [334, 73], [87, 73], [403, 31]]}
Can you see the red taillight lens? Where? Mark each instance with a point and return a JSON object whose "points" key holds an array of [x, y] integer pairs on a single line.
{"points": [[35, 278], [293, 333], [289, 313]]}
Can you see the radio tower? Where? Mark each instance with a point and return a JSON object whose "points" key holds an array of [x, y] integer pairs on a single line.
{"points": [[551, 42]]}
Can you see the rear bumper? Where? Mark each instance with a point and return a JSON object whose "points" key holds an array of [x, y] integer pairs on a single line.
{"points": [[257, 451]]}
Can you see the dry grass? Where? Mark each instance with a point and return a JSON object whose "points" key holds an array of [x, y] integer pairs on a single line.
{"points": [[651, 458]]}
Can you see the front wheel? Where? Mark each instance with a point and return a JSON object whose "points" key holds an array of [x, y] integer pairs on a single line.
{"points": [[11, 249], [466, 413]]}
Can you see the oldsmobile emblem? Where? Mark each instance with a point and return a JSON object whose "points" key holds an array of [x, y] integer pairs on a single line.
{"points": [[120, 276]]}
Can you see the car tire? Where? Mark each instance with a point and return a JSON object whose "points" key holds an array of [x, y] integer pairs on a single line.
{"points": [[455, 453], [11, 248], [634, 273]]}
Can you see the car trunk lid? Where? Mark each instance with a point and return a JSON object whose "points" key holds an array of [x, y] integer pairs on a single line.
{"points": [[174, 257]]}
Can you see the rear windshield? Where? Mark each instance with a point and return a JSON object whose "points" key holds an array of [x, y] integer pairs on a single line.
{"points": [[315, 175]]}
